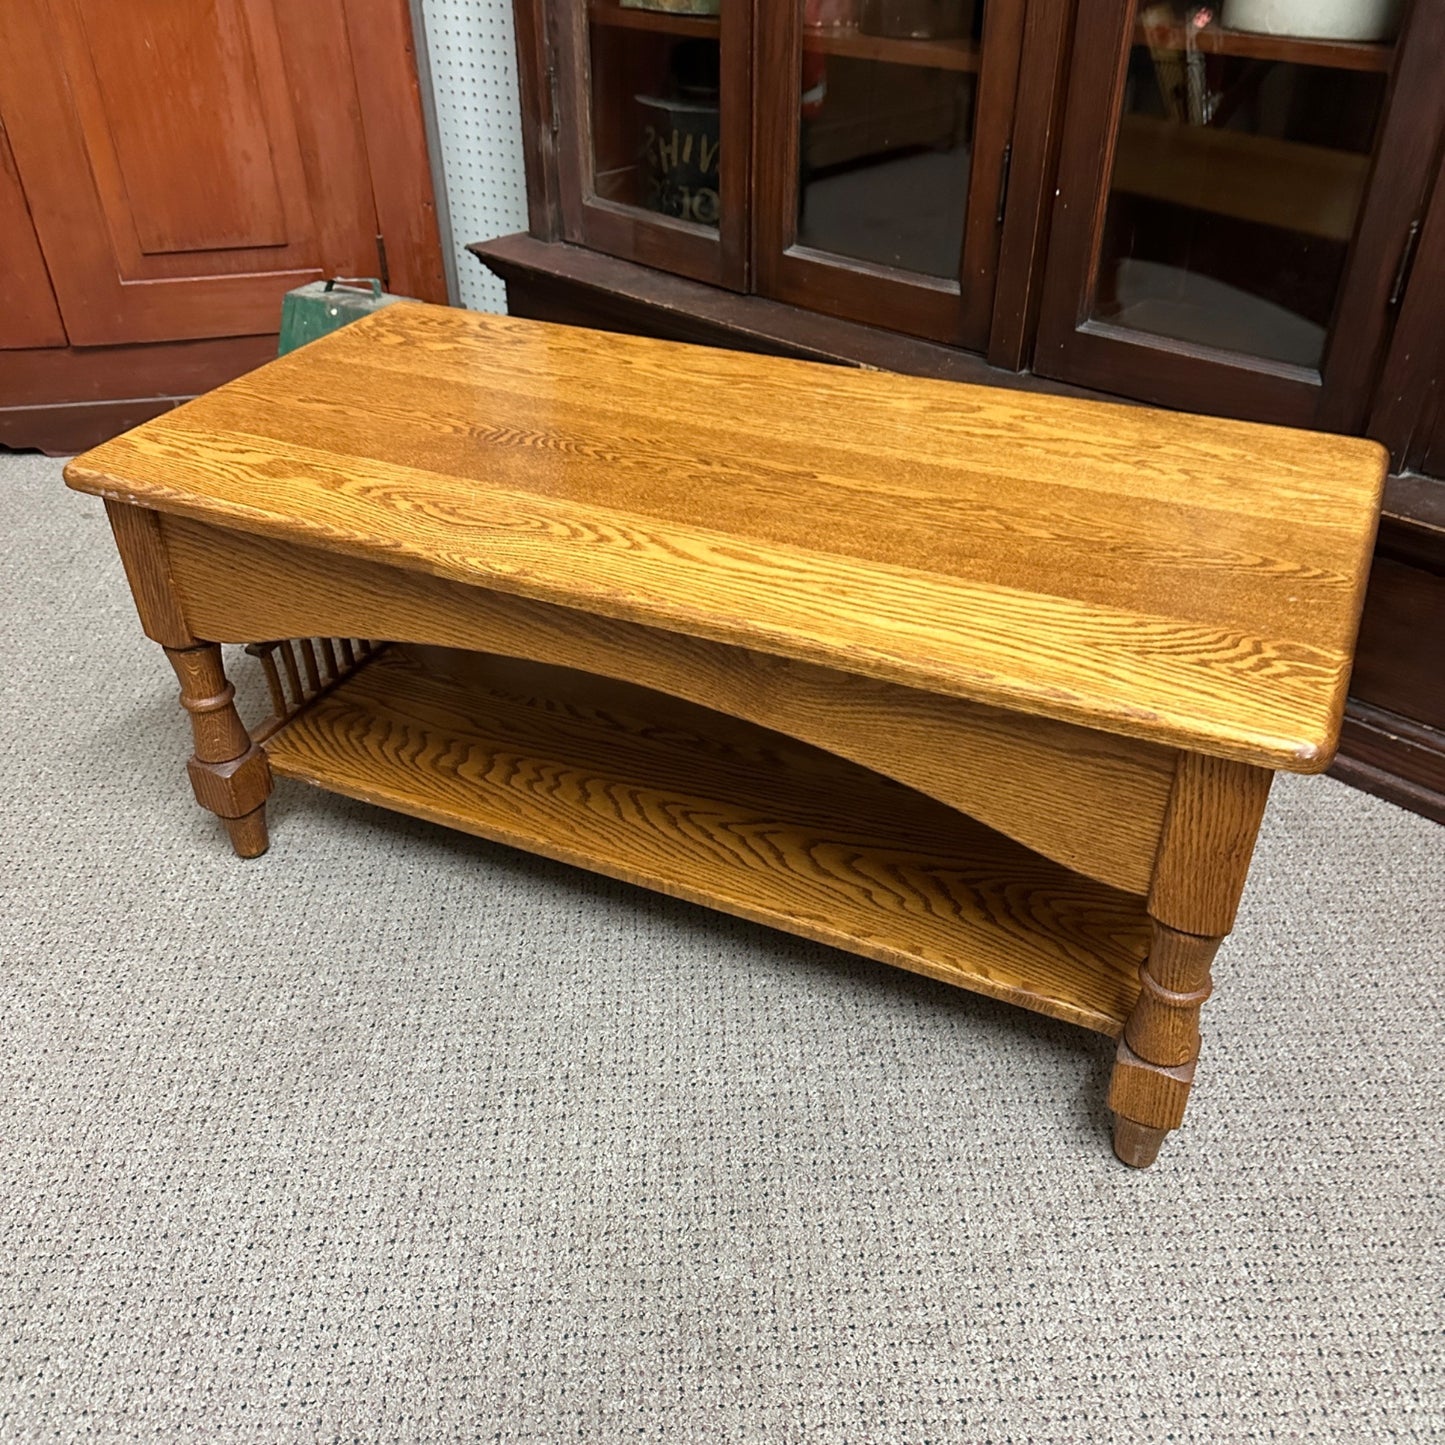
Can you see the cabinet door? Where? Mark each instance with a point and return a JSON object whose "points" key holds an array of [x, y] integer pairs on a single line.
{"points": [[185, 161], [653, 113], [1233, 208], [1407, 415], [29, 316], [880, 157]]}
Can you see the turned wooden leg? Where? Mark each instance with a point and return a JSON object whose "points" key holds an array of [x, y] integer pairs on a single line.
{"points": [[1154, 1066], [229, 773], [1214, 811]]}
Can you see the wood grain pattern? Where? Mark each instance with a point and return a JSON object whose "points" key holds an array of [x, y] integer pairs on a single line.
{"points": [[1208, 841], [1188, 581], [1175, 984], [142, 549], [194, 72], [1088, 800], [29, 316], [657, 792], [229, 773]]}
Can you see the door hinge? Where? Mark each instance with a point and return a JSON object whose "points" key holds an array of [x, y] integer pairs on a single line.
{"points": [[552, 96], [383, 271], [1008, 152], [1407, 261]]}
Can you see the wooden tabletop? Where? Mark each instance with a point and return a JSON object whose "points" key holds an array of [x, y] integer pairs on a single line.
{"points": [[1184, 579]]}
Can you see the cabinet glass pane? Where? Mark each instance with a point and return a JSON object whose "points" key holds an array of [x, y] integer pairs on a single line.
{"points": [[886, 130], [656, 132], [1240, 165]]}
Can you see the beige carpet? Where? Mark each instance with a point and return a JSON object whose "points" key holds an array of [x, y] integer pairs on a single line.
{"points": [[394, 1135]]}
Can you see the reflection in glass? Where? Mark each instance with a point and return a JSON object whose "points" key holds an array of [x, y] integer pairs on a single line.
{"points": [[656, 123], [886, 130], [1240, 163]]}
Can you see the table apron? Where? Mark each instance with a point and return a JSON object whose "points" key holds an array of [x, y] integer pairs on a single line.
{"points": [[1092, 801]]}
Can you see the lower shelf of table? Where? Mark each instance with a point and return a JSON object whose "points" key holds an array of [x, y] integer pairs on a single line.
{"points": [[662, 793]]}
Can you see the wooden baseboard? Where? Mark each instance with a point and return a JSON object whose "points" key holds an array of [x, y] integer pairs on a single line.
{"points": [[63, 399], [70, 427], [1393, 758], [553, 281]]}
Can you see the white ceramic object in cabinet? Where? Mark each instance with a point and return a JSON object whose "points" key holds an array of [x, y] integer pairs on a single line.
{"points": [[1316, 19]]}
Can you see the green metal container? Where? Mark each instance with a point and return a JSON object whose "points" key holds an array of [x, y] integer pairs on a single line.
{"points": [[321, 307]]}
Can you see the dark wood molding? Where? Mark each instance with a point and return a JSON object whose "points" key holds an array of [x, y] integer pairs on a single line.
{"points": [[1394, 736], [1393, 758], [553, 281], [1407, 160], [1033, 168], [1407, 415], [539, 136], [1418, 501]]}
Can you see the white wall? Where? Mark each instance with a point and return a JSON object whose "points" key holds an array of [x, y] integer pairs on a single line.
{"points": [[473, 68]]}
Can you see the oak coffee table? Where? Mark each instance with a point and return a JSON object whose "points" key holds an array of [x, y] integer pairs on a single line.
{"points": [[986, 685]]}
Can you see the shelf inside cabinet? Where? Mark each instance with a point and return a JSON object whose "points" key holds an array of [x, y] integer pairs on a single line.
{"points": [[955, 54], [664, 22], [640, 786], [1293, 50], [1310, 189]]}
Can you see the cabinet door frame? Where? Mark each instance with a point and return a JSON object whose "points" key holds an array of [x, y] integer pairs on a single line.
{"points": [[1407, 415], [716, 258], [1072, 346], [954, 311]]}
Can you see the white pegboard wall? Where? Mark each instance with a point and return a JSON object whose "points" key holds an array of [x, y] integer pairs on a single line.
{"points": [[473, 64]]}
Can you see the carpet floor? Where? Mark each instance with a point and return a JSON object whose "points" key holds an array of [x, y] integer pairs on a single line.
{"points": [[397, 1135]]}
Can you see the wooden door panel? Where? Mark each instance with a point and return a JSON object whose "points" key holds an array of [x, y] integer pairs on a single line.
{"points": [[896, 91], [29, 316], [181, 174], [197, 68]]}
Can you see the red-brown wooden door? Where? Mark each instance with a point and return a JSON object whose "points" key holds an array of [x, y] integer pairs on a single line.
{"points": [[185, 162], [28, 314]]}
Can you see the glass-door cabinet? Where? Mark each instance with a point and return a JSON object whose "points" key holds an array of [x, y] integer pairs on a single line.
{"points": [[1206, 204], [880, 153], [1238, 186], [847, 156], [655, 102]]}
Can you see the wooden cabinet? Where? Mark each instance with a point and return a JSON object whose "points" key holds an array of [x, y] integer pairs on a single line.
{"points": [[879, 166], [1122, 195], [1233, 212], [169, 170]]}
